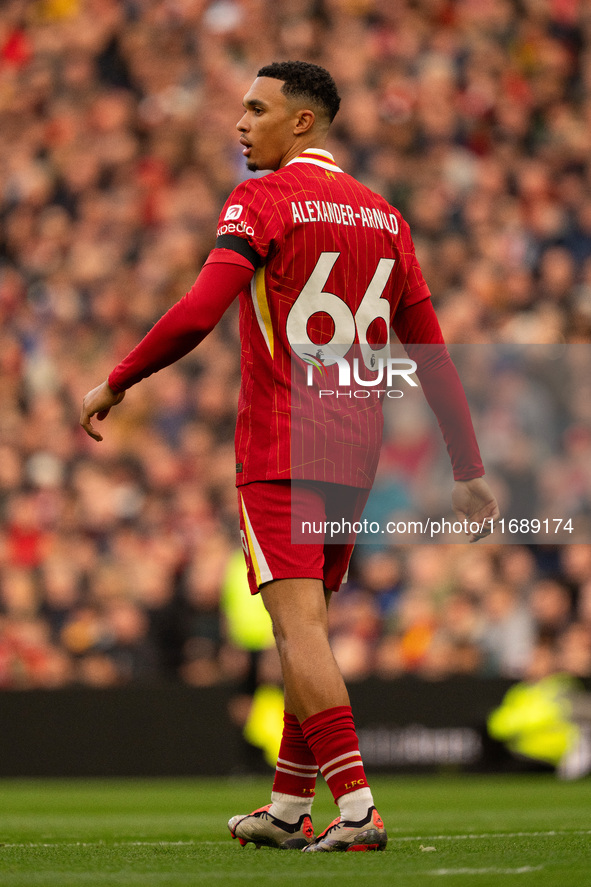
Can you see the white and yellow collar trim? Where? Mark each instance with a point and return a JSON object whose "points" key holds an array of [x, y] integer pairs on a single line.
{"points": [[317, 157]]}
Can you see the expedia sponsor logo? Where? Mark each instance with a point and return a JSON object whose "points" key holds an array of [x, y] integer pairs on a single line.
{"points": [[239, 229], [233, 212]]}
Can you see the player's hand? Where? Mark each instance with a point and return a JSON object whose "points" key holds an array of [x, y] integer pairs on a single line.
{"points": [[97, 403], [474, 502]]}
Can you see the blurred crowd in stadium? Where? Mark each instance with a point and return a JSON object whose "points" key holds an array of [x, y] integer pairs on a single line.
{"points": [[117, 151]]}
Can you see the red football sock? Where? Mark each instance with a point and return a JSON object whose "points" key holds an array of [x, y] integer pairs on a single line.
{"points": [[296, 766], [332, 738]]}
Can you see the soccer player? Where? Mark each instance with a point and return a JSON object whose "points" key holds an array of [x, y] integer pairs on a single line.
{"points": [[321, 265]]}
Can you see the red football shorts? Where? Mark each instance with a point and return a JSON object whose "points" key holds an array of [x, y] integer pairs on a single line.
{"points": [[298, 529]]}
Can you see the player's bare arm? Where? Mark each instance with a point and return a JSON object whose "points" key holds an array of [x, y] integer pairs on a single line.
{"points": [[98, 402]]}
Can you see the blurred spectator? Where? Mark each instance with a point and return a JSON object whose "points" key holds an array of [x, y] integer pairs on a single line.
{"points": [[508, 636], [550, 605]]}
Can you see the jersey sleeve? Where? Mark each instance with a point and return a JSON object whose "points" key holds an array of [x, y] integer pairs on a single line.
{"points": [[248, 223], [187, 323], [418, 329], [415, 288]]}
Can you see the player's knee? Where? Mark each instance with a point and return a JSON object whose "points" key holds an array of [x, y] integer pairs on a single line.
{"points": [[289, 632]]}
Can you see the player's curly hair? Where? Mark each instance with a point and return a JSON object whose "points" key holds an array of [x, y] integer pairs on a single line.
{"points": [[307, 80]]}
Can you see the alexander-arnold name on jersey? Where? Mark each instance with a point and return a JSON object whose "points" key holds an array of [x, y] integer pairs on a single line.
{"points": [[343, 214], [303, 211]]}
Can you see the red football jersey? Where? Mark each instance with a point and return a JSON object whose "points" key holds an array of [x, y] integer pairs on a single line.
{"points": [[335, 262]]}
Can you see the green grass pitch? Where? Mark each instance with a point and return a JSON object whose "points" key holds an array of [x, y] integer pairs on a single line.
{"points": [[454, 831]]}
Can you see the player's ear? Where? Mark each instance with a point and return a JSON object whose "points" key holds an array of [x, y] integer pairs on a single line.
{"points": [[305, 121]]}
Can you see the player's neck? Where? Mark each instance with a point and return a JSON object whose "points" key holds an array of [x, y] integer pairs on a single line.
{"points": [[302, 145]]}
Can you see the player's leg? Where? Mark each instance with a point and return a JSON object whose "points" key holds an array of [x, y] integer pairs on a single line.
{"points": [[311, 676], [315, 689], [294, 783], [296, 771], [359, 826], [286, 821]]}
